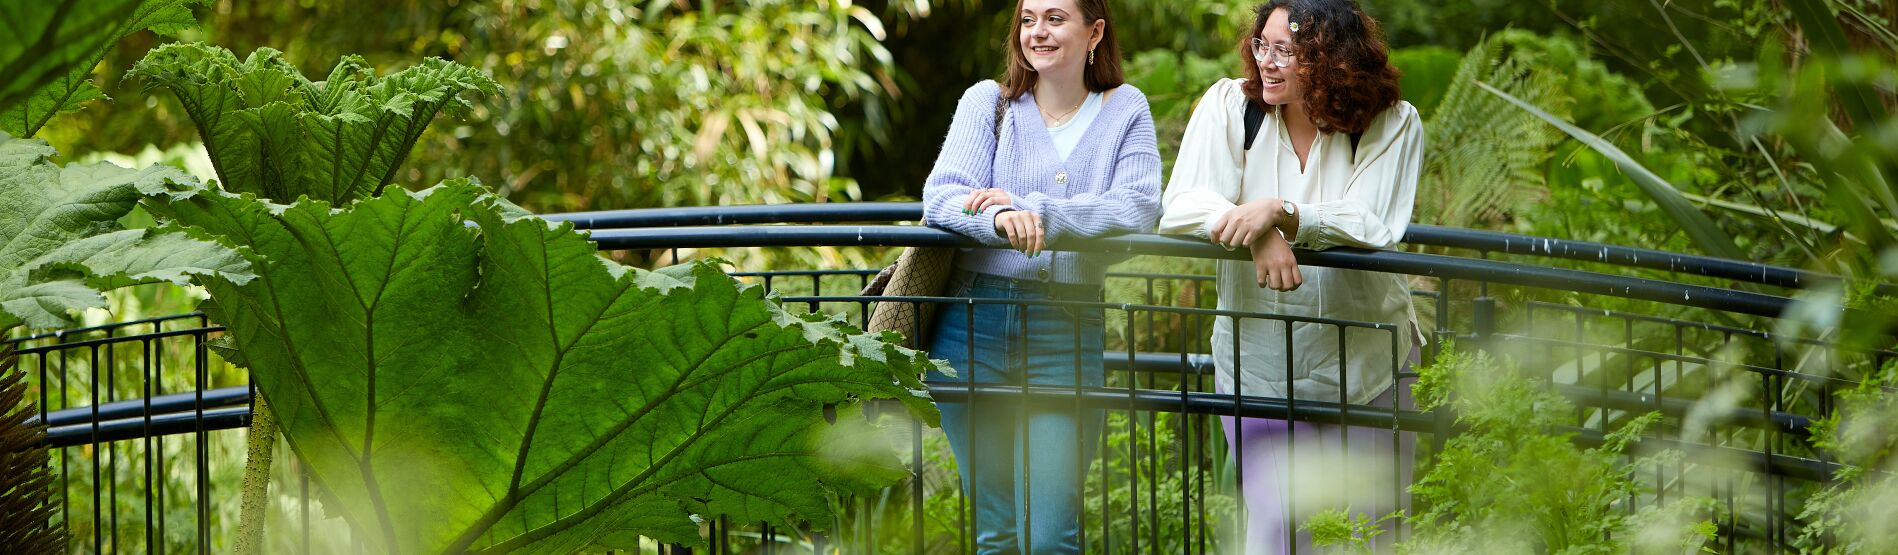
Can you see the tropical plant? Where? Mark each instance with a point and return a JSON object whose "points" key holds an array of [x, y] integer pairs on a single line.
{"points": [[650, 401], [272, 133], [48, 49], [645, 397], [60, 241]]}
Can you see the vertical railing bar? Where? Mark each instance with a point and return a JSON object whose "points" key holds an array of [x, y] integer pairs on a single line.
{"points": [[1443, 325], [1733, 521], [157, 348], [1238, 447], [1344, 404], [1080, 438], [149, 377], [1133, 455], [65, 401], [1183, 448], [1018, 358], [968, 415], [98, 511], [111, 449], [1201, 460], [1291, 443], [916, 484], [202, 371], [1773, 445], [1153, 454], [1398, 461]]}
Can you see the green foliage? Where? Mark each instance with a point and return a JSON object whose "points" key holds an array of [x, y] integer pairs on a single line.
{"points": [[48, 49], [1858, 513], [27, 505], [1339, 530], [1427, 75], [1510, 483], [1127, 473], [1174, 82], [273, 133], [60, 241], [1485, 161], [642, 398], [1708, 236]]}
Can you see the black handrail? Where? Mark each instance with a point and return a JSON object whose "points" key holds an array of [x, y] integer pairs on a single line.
{"points": [[1431, 265], [1190, 402], [1417, 234]]}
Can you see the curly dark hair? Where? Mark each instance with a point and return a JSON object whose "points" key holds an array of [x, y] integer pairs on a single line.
{"points": [[1341, 54]]}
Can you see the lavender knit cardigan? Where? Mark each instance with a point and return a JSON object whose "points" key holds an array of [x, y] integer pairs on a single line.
{"points": [[1113, 182]]}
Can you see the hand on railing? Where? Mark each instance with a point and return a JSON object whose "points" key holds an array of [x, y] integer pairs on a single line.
{"points": [[982, 199], [1247, 224], [1023, 230], [1277, 268]]}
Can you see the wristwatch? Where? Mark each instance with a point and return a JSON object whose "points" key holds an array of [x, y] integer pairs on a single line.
{"points": [[1291, 210]]}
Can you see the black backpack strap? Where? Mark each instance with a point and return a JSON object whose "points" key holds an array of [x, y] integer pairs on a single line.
{"points": [[1255, 118]]}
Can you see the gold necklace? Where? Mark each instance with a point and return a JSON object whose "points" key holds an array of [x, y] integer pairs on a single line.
{"points": [[1070, 112]]}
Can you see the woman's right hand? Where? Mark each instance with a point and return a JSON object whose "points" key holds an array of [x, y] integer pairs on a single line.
{"points": [[1277, 267], [982, 199], [1023, 230]]}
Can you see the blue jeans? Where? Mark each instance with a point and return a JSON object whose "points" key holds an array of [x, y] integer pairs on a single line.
{"points": [[1024, 488]]}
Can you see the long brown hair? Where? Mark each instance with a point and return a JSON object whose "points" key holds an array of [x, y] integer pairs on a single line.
{"points": [[1103, 74], [1341, 54]]}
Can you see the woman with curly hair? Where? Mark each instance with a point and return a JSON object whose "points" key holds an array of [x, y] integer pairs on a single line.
{"points": [[1312, 149]]}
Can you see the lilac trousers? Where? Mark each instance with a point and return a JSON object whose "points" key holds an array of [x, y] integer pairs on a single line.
{"points": [[1334, 466]]}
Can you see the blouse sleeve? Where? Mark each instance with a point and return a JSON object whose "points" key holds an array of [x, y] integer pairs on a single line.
{"points": [[1208, 172], [964, 166], [1377, 202]]}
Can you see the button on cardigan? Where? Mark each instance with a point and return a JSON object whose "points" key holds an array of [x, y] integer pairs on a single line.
{"points": [[1345, 198], [1112, 184]]}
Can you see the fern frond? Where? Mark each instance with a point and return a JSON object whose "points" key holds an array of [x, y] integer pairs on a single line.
{"points": [[1485, 161]]}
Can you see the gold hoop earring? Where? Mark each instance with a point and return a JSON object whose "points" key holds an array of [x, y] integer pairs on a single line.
{"points": [[1090, 56]]}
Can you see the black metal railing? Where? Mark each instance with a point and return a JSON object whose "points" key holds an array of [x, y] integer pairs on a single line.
{"points": [[1616, 345]]}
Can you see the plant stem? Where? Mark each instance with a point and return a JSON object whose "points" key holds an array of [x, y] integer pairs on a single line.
{"points": [[256, 497]]}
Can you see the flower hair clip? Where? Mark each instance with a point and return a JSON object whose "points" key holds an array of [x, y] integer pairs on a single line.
{"points": [[1294, 26]]}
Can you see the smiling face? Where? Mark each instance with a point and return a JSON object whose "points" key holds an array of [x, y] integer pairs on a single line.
{"points": [[1279, 85], [1055, 36]]}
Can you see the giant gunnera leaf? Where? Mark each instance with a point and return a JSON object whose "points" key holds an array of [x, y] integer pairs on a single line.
{"points": [[49, 47], [460, 379], [274, 133], [60, 241]]}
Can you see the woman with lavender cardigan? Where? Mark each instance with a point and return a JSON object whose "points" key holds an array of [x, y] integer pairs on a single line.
{"points": [[1062, 148]]}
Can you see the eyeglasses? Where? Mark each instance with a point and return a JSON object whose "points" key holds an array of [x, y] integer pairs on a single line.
{"points": [[1276, 54]]}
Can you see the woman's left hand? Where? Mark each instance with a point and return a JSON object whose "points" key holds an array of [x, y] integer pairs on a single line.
{"points": [[982, 199], [1275, 264], [1023, 230]]}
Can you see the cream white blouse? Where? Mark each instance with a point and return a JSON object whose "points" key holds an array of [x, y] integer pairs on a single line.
{"points": [[1345, 198]]}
